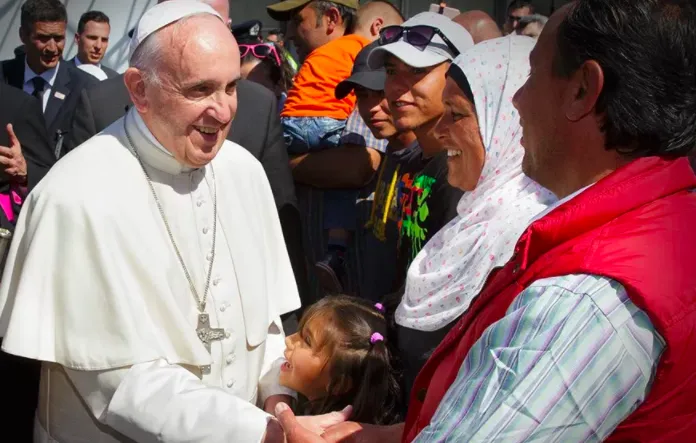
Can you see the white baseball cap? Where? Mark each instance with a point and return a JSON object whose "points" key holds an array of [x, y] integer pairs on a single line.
{"points": [[437, 50], [164, 14]]}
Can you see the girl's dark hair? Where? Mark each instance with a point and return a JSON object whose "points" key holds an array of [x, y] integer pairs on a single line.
{"points": [[360, 372], [281, 76]]}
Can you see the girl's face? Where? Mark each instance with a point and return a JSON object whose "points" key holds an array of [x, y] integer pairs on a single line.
{"points": [[306, 369]]}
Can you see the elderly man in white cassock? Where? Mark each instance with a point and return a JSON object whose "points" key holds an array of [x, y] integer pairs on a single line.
{"points": [[148, 271]]}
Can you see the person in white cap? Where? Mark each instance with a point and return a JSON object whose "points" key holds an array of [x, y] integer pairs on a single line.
{"points": [[148, 271]]}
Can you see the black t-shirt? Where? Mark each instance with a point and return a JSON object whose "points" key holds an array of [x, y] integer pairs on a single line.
{"points": [[411, 202]]}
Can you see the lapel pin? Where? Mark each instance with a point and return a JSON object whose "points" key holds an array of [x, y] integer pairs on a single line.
{"points": [[59, 95]]}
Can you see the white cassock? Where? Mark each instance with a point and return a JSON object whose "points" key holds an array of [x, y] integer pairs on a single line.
{"points": [[93, 288]]}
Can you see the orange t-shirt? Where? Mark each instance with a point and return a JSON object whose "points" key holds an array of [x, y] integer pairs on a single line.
{"points": [[312, 94]]}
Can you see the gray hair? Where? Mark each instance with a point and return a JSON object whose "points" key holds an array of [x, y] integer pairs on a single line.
{"points": [[148, 55]]}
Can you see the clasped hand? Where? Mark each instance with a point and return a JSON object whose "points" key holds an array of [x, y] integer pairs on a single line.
{"points": [[332, 427]]}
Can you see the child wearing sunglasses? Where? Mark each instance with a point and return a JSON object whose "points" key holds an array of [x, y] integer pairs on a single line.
{"points": [[340, 357]]}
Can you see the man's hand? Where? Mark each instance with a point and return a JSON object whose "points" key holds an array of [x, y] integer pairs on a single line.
{"points": [[12, 160], [308, 429]]}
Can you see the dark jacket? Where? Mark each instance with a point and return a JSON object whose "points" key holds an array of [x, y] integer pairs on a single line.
{"points": [[24, 112], [63, 100]]}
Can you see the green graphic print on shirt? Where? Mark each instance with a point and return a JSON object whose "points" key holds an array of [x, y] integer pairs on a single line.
{"points": [[413, 200]]}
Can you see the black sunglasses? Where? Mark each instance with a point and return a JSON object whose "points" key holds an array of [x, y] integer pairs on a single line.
{"points": [[418, 36]]}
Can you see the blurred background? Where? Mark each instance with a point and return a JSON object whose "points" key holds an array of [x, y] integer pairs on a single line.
{"points": [[124, 14]]}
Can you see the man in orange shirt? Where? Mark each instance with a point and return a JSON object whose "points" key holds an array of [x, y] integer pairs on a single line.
{"points": [[313, 118]]}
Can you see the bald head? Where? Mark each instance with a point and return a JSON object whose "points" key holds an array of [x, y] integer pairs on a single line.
{"points": [[479, 24], [375, 15], [222, 7]]}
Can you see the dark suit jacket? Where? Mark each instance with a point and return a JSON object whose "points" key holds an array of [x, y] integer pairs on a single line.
{"points": [[24, 112], [256, 127], [19, 374], [110, 73], [61, 107]]}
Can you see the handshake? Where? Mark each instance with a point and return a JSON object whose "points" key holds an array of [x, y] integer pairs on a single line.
{"points": [[332, 427]]}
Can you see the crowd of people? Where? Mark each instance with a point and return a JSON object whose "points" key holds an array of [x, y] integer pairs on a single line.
{"points": [[362, 227]]}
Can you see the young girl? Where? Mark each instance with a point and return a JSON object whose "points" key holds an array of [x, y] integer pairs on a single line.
{"points": [[339, 357]]}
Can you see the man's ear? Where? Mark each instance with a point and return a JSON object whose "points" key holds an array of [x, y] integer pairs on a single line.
{"points": [[376, 26], [334, 19], [586, 85], [135, 83]]}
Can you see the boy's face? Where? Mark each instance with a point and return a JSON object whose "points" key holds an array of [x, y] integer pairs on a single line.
{"points": [[374, 110]]}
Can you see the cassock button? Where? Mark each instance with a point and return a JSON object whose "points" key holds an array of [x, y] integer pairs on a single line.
{"points": [[199, 203], [228, 334], [216, 281], [420, 395], [205, 230], [230, 383], [230, 359], [209, 256], [223, 308]]}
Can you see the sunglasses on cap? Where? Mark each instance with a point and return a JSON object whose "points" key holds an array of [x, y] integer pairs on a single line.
{"points": [[260, 51], [418, 36]]}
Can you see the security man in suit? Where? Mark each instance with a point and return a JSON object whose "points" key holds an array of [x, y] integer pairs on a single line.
{"points": [[42, 72], [92, 40], [25, 156]]}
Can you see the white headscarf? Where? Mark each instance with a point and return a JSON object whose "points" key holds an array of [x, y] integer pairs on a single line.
{"points": [[453, 266]]}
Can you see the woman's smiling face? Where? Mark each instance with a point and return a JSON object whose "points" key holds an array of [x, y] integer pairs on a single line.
{"points": [[458, 132]]}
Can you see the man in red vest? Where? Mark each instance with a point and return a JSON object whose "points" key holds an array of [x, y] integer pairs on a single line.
{"points": [[589, 332]]}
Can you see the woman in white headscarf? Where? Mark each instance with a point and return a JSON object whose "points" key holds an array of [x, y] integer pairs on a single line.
{"points": [[481, 131]]}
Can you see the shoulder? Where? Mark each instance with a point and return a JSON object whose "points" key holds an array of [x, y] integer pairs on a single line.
{"points": [[14, 97], [96, 171], [233, 156], [77, 75], [604, 295], [252, 94], [109, 72]]}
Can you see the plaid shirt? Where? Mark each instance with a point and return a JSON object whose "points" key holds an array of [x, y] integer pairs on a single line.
{"points": [[357, 133], [571, 359]]}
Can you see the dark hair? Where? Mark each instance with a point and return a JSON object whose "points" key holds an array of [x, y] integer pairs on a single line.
{"points": [[647, 51], [91, 16], [34, 11], [277, 32], [517, 4], [360, 372], [347, 14]]}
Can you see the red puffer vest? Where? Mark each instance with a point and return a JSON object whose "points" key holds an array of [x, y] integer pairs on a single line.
{"points": [[636, 226]]}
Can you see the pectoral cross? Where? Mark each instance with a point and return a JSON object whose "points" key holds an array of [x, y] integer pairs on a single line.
{"points": [[208, 335]]}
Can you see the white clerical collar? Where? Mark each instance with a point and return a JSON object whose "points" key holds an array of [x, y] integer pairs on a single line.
{"points": [[150, 150], [559, 203], [78, 62], [49, 75]]}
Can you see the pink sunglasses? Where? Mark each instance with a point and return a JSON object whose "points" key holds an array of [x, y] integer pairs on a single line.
{"points": [[260, 50]]}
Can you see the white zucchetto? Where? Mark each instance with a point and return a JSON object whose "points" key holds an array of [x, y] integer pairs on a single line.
{"points": [[164, 14]]}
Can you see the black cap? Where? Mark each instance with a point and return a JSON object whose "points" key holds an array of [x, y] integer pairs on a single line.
{"points": [[362, 74], [248, 32]]}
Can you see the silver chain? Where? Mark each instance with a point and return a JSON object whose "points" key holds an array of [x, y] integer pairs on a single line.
{"points": [[199, 301]]}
